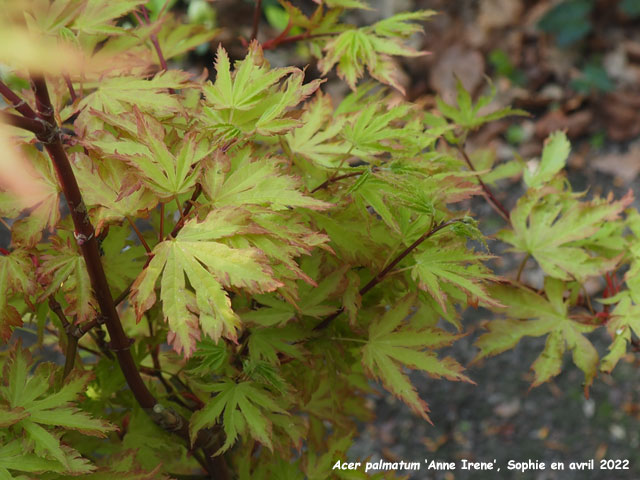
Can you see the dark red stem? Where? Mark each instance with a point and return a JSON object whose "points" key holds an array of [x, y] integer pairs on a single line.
{"points": [[16, 102], [88, 244]]}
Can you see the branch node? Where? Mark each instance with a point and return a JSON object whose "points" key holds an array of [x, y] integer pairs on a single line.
{"points": [[113, 348], [82, 238]]}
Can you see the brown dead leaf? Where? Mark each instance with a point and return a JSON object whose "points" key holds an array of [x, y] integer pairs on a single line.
{"points": [[457, 61], [623, 166], [576, 124], [499, 13]]}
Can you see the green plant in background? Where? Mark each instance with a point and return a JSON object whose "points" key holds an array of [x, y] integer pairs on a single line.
{"points": [[241, 258]]}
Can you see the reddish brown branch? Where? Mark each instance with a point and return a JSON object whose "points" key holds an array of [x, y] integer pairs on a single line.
{"points": [[187, 208], [383, 273], [16, 102], [33, 125], [331, 180], [88, 244]]}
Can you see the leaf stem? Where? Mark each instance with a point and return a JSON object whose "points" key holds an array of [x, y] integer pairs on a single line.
{"points": [[521, 268], [331, 180], [72, 340], [139, 234], [491, 198]]}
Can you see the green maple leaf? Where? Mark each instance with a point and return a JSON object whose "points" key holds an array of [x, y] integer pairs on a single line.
{"points": [[242, 407], [15, 277], [467, 114], [210, 265], [555, 229], [534, 315], [240, 179], [42, 212], [452, 271], [318, 138], [101, 184], [554, 157], [65, 269], [392, 346], [253, 100], [118, 95], [371, 48], [168, 168], [625, 320], [39, 413], [98, 17]]}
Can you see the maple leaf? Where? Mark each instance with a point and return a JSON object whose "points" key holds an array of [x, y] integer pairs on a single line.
{"points": [[467, 114], [209, 265], [15, 277], [43, 410], [252, 100], [554, 157], [241, 406], [392, 345], [119, 94], [32, 187], [625, 320], [101, 184], [372, 47], [168, 168], [64, 268], [239, 178], [534, 315], [555, 229], [318, 138], [452, 270], [99, 18]]}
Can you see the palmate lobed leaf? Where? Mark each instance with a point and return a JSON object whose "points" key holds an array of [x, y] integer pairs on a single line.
{"points": [[550, 226], [243, 407], [39, 411], [64, 268], [534, 315], [239, 178], [167, 166], [209, 266], [392, 346], [253, 100], [371, 48], [15, 278], [456, 266]]}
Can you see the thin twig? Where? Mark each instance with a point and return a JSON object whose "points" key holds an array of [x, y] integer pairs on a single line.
{"points": [[16, 102], [491, 198], [72, 91], [139, 234], [187, 208], [72, 340], [331, 180], [521, 268], [256, 19], [381, 275], [33, 125]]}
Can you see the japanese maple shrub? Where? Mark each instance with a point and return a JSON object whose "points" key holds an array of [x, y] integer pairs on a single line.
{"points": [[228, 265]]}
